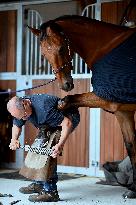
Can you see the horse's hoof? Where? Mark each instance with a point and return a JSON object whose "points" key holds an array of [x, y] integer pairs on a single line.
{"points": [[61, 105], [129, 195]]}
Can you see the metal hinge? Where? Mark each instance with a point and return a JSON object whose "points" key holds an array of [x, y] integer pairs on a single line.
{"points": [[95, 163]]}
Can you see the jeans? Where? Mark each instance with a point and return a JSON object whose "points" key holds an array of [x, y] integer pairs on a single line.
{"points": [[51, 184]]}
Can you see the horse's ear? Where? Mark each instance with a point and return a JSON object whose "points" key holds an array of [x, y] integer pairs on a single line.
{"points": [[35, 31], [49, 31]]}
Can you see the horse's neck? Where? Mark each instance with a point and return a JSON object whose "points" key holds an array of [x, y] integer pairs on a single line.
{"points": [[93, 40]]}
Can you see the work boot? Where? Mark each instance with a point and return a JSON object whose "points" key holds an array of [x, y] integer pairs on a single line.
{"points": [[30, 189], [45, 197]]}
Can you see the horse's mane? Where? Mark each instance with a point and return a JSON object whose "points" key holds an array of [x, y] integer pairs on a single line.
{"points": [[73, 17], [65, 17], [78, 19], [81, 19]]}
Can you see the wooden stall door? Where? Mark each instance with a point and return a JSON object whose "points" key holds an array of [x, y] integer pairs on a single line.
{"points": [[8, 28], [76, 150]]}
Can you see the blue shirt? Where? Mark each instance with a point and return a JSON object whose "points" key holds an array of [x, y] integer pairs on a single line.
{"points": [[45, 112]]}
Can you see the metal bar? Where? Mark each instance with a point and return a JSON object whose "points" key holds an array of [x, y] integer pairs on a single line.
{"points": [[81, 65], [76, 64], [31, 44], [48, 68], [37, 20], [27, 47], [93, 12], [36, 46]]}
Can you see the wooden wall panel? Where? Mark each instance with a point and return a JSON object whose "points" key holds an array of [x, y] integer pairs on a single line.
{"points": [[77, 146], [112, 145], [8, 84], [109, 12], [76, 150], [112, 12], [8, 41]]}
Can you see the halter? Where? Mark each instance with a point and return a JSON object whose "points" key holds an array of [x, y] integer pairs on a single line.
{"points": [[58, 70]]}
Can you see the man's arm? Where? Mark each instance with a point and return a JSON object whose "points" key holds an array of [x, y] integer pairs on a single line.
{"points": [[16, 132], [66, 130]]}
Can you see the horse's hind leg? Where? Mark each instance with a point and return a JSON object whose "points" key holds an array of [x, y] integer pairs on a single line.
{"points": [[127, 124]]}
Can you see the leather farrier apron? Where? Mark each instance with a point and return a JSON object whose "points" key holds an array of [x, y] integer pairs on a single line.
{"points": [[40, 167]]}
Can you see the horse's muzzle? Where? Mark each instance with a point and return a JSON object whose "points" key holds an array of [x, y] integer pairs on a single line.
{"points": [[67, 86]]}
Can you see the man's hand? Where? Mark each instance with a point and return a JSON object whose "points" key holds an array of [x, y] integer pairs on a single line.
{"points": [[14, 144], [66, 130], [56, 150]]}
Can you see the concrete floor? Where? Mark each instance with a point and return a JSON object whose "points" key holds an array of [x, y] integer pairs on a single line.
{"points": [[79, 191]]}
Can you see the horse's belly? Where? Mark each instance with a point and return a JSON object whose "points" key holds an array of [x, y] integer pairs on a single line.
{"points": [[114, 76]]}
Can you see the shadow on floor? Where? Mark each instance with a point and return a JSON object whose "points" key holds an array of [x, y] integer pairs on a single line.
{"points": [[17, 176]]}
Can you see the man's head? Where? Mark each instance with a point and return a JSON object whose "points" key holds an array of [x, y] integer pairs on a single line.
{"points": [[19, 107]]}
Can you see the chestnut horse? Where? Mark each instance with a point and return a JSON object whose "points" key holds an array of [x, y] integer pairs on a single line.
{"points": [[98, 43]]}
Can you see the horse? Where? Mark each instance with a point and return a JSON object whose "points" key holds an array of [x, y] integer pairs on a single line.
{"points": [[110, 52]]}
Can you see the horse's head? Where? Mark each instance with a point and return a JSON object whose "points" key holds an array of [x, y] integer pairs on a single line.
{"points": [[55, 47]]}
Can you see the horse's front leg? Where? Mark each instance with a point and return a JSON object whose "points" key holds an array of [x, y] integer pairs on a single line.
{"points": [[127, 124], [93, 101], [87, 100]]}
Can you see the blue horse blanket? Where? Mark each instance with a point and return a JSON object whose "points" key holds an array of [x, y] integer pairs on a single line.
{"points": [[114, 75]]}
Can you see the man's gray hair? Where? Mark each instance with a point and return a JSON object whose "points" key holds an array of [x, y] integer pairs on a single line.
{"points": [[19, 104], [15, 102]]}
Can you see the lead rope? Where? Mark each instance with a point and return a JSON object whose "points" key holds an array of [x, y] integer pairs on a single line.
{"points": [[17, 91]]}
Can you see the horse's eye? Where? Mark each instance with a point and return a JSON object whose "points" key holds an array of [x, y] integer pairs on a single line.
{"points": [[61, 50]]}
